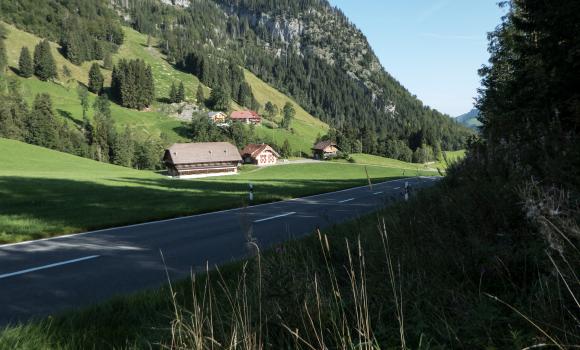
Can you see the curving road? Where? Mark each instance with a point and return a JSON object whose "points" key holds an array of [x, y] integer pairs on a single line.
{"points": [[44, 277]]}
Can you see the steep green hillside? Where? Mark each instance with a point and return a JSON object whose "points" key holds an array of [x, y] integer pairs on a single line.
{"points": [[470, 119], [305, 127], [112, 195]]}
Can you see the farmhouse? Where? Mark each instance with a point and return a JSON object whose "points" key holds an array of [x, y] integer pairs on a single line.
{"points": [[260, 155], [189, 160], [325, 150], [248, 117], [217, 117]]}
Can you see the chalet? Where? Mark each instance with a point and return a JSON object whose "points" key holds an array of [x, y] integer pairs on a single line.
{"points": [[189, 160], [325, 150], [217, 117], [248, 117], [260, 155]]}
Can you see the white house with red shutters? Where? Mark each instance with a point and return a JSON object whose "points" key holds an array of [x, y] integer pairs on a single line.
{"points": [[260, 155], [247, 117]]}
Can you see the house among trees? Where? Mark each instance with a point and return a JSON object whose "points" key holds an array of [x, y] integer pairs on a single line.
{"points": [[192, 160], [217, 117], [248, 117], [325, 150], [260, 155]]}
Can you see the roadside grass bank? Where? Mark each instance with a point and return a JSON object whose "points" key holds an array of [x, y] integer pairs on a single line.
{"points": [[462, 265], [46, 193]]}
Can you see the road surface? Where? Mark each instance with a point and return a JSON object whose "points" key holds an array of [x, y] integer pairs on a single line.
{"points": [[45, 277]]}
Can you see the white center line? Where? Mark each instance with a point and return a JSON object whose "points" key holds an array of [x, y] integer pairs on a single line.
{"points": [[275, 217], [377, 193], [47, 266], [397, 188], [347, 200]]}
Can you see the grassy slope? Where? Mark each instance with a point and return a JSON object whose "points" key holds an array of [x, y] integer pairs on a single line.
{"points": [[43, 191], [306, 127], [66, 102]]}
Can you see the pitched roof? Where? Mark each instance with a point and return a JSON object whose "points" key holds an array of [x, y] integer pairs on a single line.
{"points": [[203, 152], [322, 145], [253, 150], [212, 114], [245, 115]]}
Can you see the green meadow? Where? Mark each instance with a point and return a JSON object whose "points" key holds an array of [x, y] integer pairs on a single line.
{"points": [[46, 193]]}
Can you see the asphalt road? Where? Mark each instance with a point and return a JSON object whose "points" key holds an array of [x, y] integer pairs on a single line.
{"points": [[45, 277]]}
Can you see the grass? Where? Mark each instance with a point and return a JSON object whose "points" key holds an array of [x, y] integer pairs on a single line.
{"points": [[443, 279], [43, 191]]}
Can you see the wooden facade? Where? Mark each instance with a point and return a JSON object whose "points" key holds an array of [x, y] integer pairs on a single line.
{"points": [[201, 159], [247, 117], [260, 155], [325, 150]]}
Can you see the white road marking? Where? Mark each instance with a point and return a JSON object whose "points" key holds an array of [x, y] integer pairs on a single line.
{"points": [[22, 272], [397, 188], [275, 217], [189, 217], [346, 200], [377, 193]]}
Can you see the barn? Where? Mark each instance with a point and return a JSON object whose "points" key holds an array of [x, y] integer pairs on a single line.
{"points": [[192, 160], [325, 150], [247, 117], [260, 155]]}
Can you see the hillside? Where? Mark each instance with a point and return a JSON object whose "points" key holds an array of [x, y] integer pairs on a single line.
{"points": [[155, 122], [69, 185], [469, 119]]}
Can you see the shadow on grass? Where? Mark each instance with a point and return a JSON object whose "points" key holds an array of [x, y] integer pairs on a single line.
{"points": [[59, 206]]}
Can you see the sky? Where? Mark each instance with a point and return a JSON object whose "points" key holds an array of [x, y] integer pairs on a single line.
{"points": [[433, 47]]}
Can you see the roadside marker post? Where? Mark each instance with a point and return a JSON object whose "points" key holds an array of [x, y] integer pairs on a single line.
{"points": [[251, 193]]}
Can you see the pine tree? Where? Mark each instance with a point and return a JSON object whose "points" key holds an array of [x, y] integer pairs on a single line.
{"points": [[173, 94], [219, 100], [42, 125], [25, 66], [289, 114], [3, 57], [108, 61], [123, 149], [44, 64], [200, 96], [181, 92], [96, 79], [83, 95]]}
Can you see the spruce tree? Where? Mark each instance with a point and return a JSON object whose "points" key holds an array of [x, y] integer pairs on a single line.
{"points": [[25, 66], [200, 96], [108, 61], [42, 125], [173, 94], [44, 64], [219, 100], [289, 114], [181, 92], [3, 57], [96, 79]]}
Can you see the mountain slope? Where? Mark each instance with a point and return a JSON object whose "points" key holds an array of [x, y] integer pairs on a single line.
{"points": [[155, 122], [469, 119]]}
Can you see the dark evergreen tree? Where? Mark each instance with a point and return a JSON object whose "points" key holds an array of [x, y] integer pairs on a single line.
{"points": [[42, 125], [289, 114], [96, 79], [25, 65], [181, 92], [132, 84], [108, 61], [83, 95], [219, 100], [44, 64], [3, 57], [123, 148], [173, 94], [200, 96]]}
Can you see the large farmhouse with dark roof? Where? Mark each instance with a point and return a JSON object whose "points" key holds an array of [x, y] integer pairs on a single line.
{"points": [[188, 160]]}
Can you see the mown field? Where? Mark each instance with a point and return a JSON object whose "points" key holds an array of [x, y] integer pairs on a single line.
{"points": [[44, 192]]}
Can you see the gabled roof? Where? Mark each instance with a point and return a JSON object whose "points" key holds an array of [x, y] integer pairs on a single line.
{"points": [[322, 145], [245, 115], [253, 150], [203, 152], [212, 114]]}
